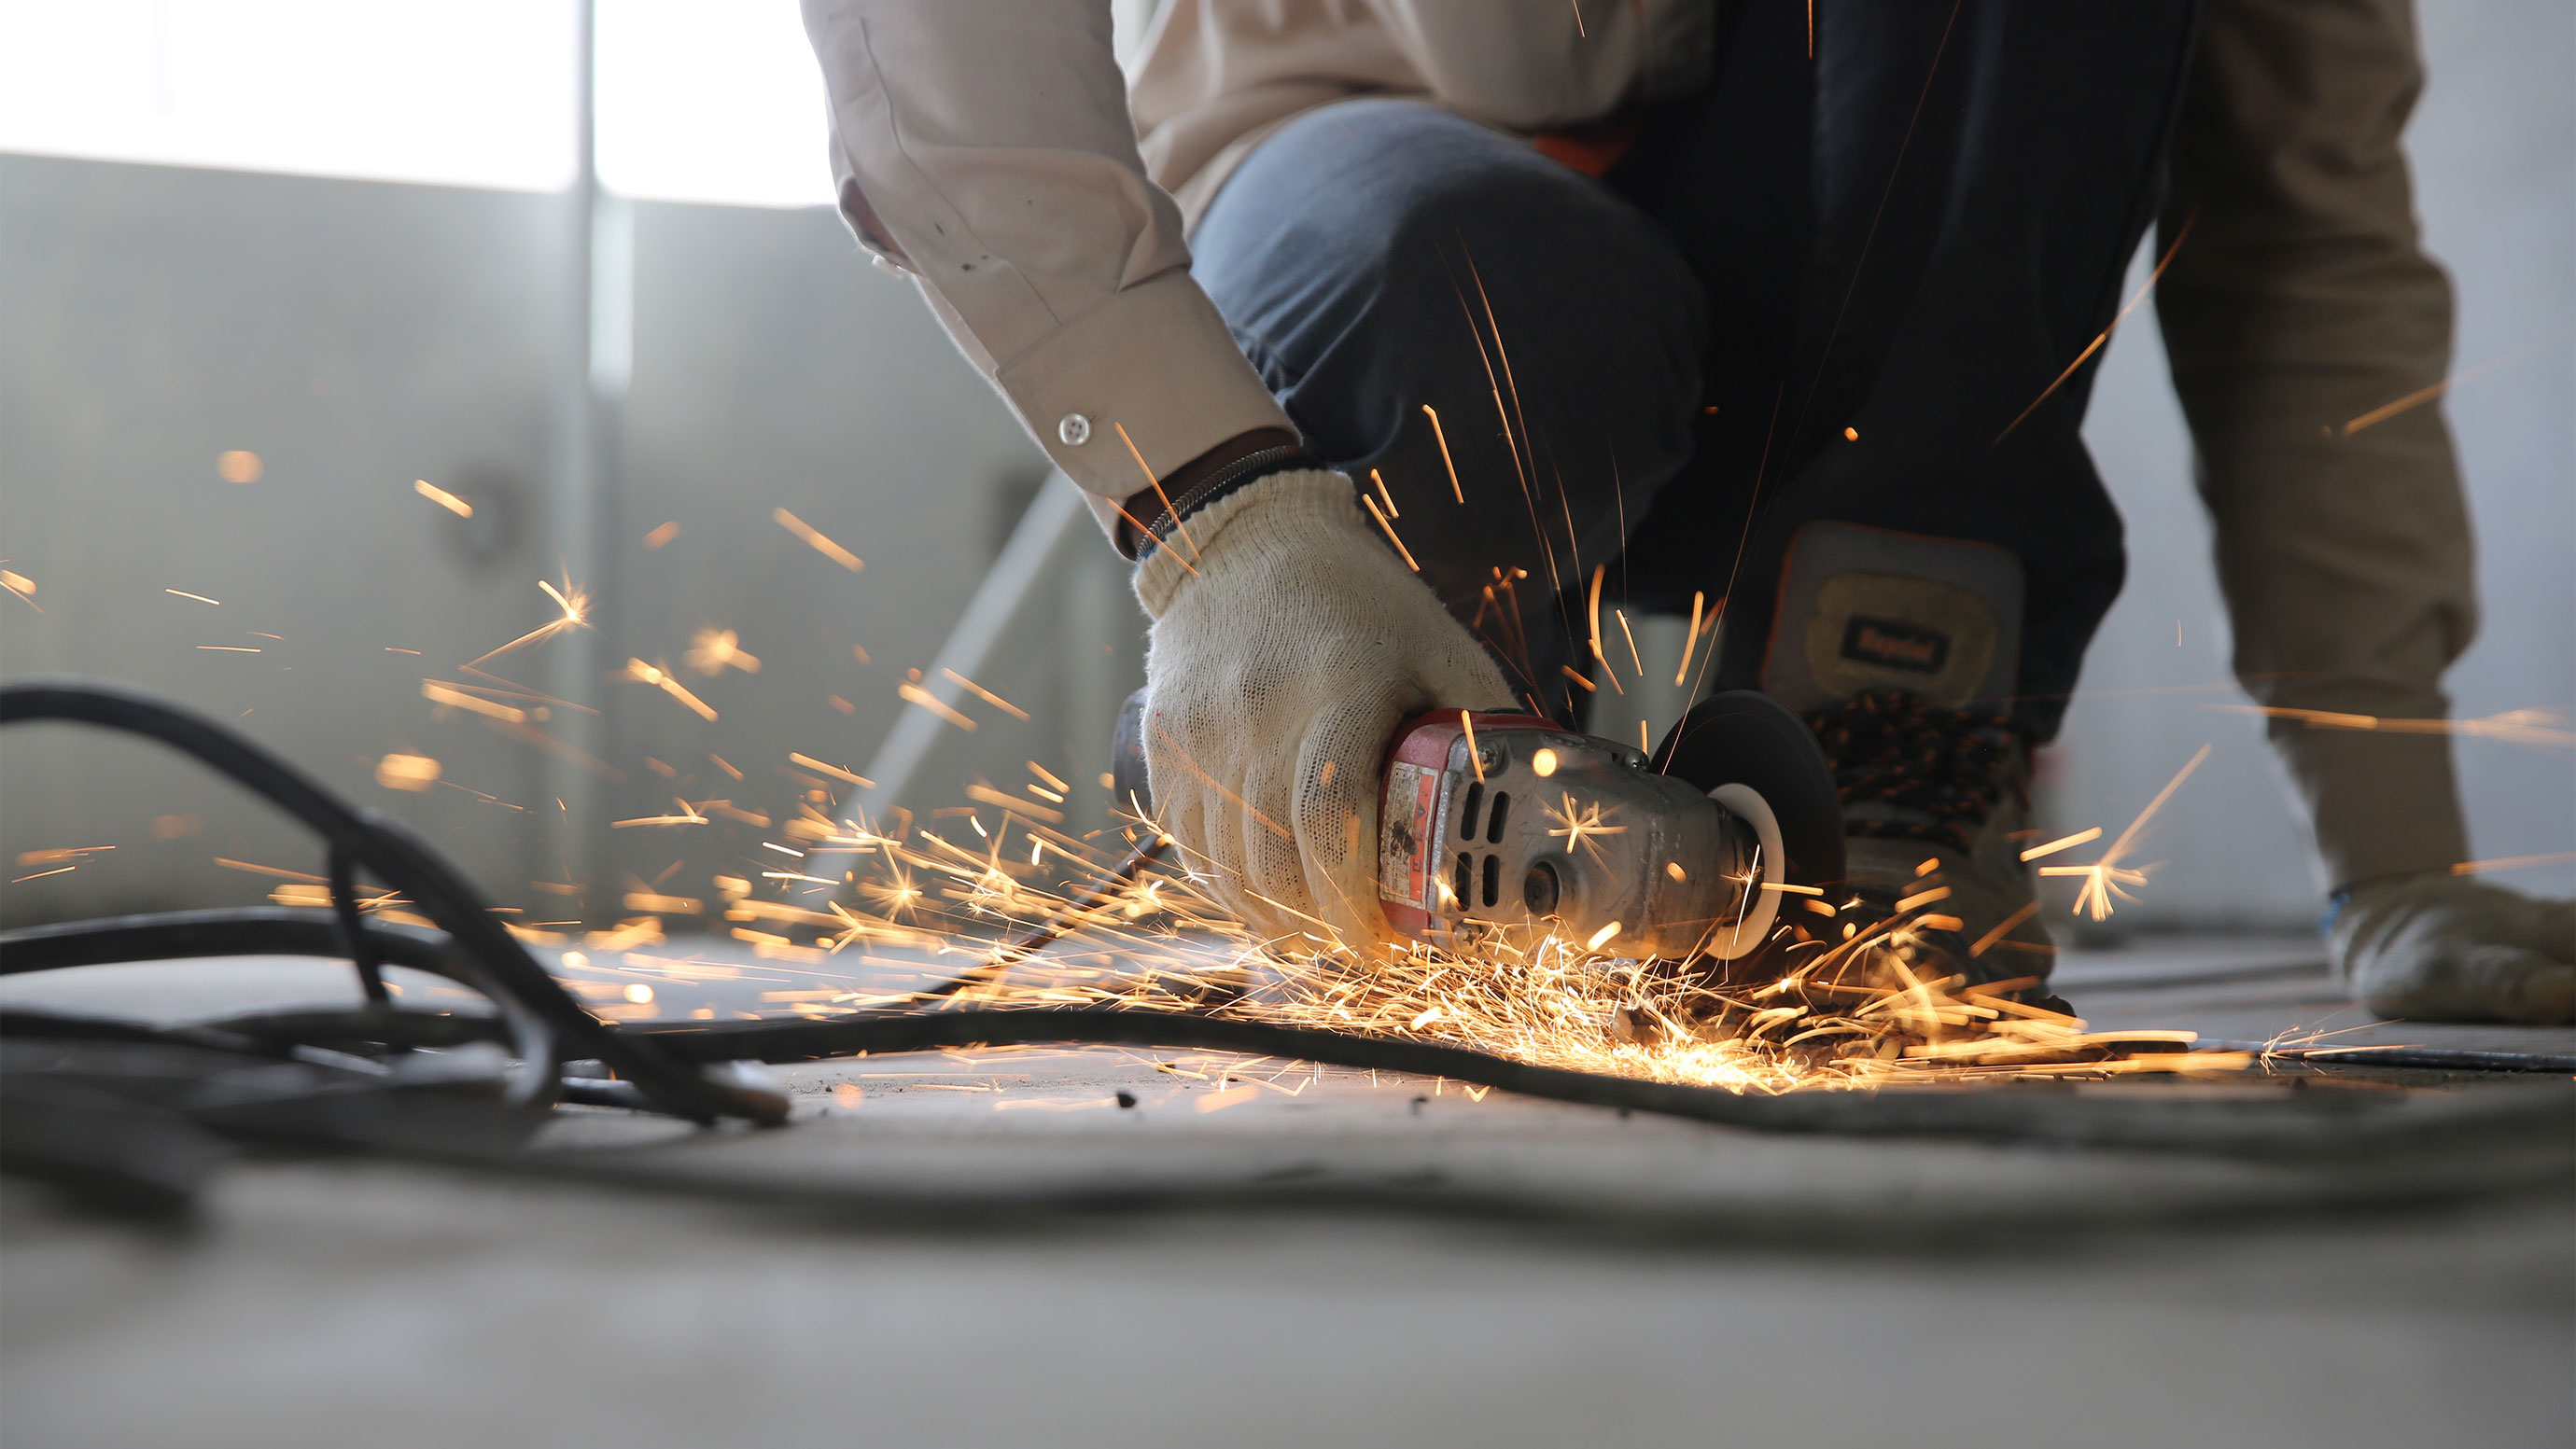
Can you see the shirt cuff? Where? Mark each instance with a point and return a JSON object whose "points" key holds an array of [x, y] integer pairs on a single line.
{"points": [[1137, 386]]}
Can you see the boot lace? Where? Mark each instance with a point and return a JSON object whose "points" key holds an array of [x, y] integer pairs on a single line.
{"points": [[1945, 769]]}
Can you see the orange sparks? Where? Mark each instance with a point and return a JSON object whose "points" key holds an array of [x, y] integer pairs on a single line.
{"points": [[988, 696], [21, 586], [657, 676], [448, 694], [74, 854], [1389, 529], [1577, 823], [688, 816], [2421, 396], [1588, 686], [2521, 726], [1690, 645], [2104, 878], [200, 598], [806, 531], [228, 648], [2120, 847], [2513, 862], [1145, 536], [2101, 882], [986, 794], [1468, 723], [725, 765], [1442, 438], [662, 535], [711, 653], [1633, 657], [239, 466], [2066, 843], [915, 694], [575, 605], [1595, 609], [835, 771], [414, 773], [271, 871], [2003, 928], [2096, 344], [1595, 606], [1383, 496], [442, 498], [1179, 525]]}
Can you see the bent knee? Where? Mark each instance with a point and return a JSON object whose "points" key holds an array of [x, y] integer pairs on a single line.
{"points": [[1375, 203]]}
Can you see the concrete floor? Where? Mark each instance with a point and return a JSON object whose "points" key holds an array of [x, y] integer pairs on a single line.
{"points": [[1401, 1263]]}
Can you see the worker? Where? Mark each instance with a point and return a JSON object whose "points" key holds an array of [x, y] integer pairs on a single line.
{"points": [[1489, 311]]}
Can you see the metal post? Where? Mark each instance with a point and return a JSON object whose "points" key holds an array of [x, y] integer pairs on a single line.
{"points": [[594, 362]]}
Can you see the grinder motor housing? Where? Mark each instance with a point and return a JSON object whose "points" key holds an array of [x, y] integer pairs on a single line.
{"points": [[1510, 818], [1497, 819]]}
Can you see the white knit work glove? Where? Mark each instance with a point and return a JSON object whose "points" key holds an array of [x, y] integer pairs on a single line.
{"points": [[2444, 947], [1288, 643]]}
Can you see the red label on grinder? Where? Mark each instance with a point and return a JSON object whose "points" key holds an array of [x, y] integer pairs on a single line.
{"points": [[1409, 825]]}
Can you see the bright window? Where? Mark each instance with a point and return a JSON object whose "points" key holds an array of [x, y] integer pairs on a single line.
{"points": [[460, 92], [711, 100], [699, 100]]}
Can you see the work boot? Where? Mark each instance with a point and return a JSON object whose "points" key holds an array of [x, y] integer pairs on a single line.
{"points": [[1902, 653], [1936, 804]]}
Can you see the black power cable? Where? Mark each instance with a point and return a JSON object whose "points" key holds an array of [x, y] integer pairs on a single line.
{"points": [[666, 1067], [2313, 1125], [353, 929], [491, 958]]}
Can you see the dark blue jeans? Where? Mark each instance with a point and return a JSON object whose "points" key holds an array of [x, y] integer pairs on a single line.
{"points": [[1822, 290]]}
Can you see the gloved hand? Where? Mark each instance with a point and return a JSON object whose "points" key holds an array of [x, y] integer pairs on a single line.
{"points": [[2444, 947], [1284, 652]]}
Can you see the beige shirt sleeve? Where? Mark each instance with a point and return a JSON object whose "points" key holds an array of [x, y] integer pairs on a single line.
{"points": [[985, 146], [2300, 306]]}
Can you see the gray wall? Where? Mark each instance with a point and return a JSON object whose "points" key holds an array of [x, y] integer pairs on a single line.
{"points": [[356, 337], [359, 336], [775, 369]]}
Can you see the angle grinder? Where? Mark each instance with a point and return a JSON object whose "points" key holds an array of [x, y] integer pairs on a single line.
{"points": [[1498, 819]]}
